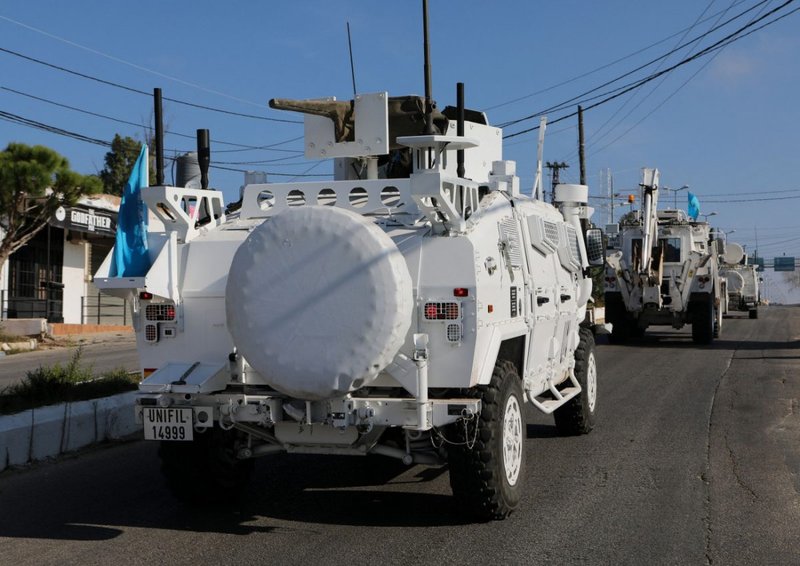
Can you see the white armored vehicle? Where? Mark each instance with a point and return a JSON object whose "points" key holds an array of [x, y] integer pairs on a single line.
{"points": [[742, 280], [408, 308], [664, 271]]}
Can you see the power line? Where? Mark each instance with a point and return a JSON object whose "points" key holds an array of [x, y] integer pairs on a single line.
{"points": [[134, 65], [595, 139], [739, 194], [137, 91], [731, 38], [749, 199], [575, 99], [292, 175], [14, 118], [121, 121], [607, 65]]}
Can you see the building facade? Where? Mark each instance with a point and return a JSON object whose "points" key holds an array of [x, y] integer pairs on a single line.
{"points": [[51, 276]]}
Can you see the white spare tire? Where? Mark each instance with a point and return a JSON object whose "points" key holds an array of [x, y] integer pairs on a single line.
{"points": [[735, 281], [318, 301]]}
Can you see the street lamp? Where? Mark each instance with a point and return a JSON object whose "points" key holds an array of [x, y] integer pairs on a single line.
{"points": [[705, 216], [676, 193], [724, 233]]}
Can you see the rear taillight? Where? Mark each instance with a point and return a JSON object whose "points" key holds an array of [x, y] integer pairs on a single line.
{"points": [[441, 311], [160, 312]]}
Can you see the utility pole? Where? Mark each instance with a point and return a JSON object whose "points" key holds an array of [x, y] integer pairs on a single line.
{"points": [[611, 177], [581, 146], [555, 169]]}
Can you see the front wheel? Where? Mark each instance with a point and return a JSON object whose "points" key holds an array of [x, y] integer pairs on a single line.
{"points": [[487, 466], [576, 416]]}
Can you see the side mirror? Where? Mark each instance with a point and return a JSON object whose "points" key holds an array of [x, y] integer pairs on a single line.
{"points": [[595, 250]]}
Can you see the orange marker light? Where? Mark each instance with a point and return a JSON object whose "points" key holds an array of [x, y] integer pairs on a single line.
{"points": [[491, 308], [631, 199]]}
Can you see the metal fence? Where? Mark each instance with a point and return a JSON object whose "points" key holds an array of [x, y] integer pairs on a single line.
{"points": [[29, 307], [104, 309]]}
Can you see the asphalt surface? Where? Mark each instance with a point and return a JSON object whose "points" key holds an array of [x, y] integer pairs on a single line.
{"points": [[103, 352], [695, 460]]}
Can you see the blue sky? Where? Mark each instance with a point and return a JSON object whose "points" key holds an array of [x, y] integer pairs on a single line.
{"points": [[727, 126]]}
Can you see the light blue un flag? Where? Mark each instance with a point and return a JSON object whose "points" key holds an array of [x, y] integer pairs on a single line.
{"points": [[694, 206], [130, 251]]}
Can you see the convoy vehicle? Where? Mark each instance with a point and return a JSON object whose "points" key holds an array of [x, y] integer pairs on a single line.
{"points": [[408, 308], [742, 280], [663, 270]]}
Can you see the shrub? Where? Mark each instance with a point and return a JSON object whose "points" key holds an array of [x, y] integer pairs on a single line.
{"points": [[58, 384]]}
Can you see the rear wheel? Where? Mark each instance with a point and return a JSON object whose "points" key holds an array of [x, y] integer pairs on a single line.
{"points": [[487, 466], [753, 313], [703, 322], [205, 470], [576, 416]]}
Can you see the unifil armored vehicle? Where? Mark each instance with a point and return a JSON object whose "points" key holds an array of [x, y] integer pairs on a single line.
{"points": [[408, 308], [742, 280], [663, 271]]}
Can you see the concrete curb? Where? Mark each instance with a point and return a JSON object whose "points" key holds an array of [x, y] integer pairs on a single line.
{"points": [[30, 344], [50, 431]]}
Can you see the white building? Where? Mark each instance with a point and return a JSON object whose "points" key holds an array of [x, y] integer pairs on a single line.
{"points": [[51, 276]]}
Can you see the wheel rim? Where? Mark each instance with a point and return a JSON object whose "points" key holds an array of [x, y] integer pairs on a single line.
{"points": [[512, 440], [591, 382]]}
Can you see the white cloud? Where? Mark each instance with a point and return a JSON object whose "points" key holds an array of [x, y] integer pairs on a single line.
{"points": [[733, 66]]}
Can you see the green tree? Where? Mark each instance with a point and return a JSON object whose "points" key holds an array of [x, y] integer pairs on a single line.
{"points": [[34, 182], [119, 163]]}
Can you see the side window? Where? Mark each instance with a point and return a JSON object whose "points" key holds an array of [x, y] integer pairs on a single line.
{"points": [[672, 249]]}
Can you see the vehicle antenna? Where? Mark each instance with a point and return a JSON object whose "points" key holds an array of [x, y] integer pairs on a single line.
{"points": [[428, 88], [352, 66]]}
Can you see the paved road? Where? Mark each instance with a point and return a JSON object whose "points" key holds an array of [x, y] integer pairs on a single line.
{"points": [[103, 352], [695, 460]]}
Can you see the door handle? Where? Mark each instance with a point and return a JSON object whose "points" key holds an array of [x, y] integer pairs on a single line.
{"points": [[542, 300], [565, 298]]}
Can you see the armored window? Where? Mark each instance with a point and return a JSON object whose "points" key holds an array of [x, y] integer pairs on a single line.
{"points": [[672, 249]]}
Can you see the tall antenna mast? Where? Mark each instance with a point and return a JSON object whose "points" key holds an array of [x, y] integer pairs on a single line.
{"points": [[428, 88], [352, 66]]}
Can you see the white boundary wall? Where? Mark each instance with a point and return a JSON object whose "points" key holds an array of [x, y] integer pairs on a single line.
{"points": [[47, 432]]}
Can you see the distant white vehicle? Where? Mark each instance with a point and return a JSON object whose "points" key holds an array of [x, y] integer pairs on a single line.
{"points": [[742, 280], [663, 270]]}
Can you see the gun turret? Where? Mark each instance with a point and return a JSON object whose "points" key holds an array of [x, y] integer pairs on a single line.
{"points": [[406, 116], [340, 112]]}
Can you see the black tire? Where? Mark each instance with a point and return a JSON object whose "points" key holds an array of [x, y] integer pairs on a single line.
{"points": [[753, 313], [205, 470], [703, 322], [577, 416], [487, 477]]}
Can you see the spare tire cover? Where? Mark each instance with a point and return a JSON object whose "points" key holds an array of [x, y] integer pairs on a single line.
{"points": [[318, 301], [733, 254], [735, 281]]}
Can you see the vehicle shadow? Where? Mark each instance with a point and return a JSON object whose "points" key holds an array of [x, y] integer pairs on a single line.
{"points": [[674, 340], [309, 489]]}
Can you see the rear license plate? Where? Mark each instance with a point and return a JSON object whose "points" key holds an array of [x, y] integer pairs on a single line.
{"points": [[167, 423]]}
